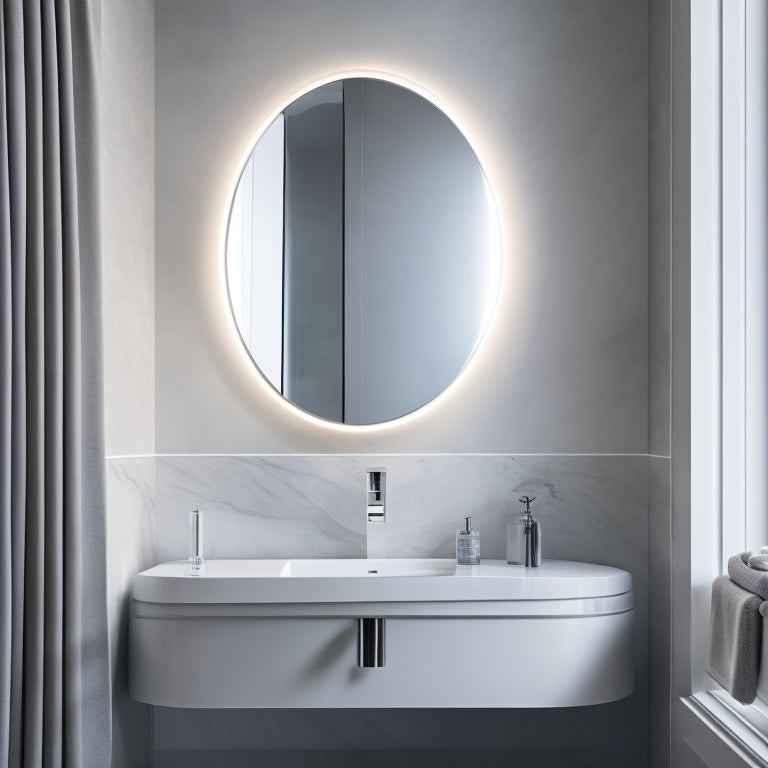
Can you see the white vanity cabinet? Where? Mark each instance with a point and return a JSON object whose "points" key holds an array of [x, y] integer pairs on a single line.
{"points": [[286, 633]]}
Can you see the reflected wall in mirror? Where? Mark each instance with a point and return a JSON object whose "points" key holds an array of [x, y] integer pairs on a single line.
{"points": [[363, 253]]}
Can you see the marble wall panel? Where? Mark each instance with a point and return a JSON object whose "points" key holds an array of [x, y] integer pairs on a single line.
{"points": [[660, 616], [130, 549], [258, 506], [590, 507]]}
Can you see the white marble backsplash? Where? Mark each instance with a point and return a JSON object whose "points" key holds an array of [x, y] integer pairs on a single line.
{"points": [[590, 507], [257, 506]]}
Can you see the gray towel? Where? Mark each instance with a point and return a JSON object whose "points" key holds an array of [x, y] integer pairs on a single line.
{"points": [[735, 637], [746, 577]]}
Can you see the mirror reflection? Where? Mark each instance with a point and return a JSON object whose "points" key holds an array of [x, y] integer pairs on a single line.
{"points": [[363, 253]]}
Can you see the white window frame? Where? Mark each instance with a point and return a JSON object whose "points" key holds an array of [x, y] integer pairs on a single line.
{"points": [[729, 295], [728, 338]]}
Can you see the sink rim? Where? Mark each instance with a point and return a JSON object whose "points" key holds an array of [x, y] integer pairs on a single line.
{"points": [[386, 568], [259, 581]]}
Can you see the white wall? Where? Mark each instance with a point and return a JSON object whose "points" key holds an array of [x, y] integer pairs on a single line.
{"points": [[554, 96], [129, 326]]}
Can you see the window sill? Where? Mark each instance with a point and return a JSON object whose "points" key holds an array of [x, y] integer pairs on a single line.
{"points": [[723, 733]]}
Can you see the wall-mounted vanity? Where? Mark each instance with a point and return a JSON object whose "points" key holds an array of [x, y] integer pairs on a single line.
{"points": [[287, 633]]}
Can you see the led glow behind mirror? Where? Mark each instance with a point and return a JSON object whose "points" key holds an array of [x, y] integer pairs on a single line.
{"points": [[363, 255]]}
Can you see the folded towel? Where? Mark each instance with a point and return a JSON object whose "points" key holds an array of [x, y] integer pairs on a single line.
{"points": [[746, 577], [735, 637], [759, 561]]}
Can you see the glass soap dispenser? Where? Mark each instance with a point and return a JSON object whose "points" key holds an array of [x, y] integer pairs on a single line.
{"points": [[467, 545], [524, 538]]}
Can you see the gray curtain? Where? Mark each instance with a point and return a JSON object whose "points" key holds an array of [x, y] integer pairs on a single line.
{"points": [[54, 668]]}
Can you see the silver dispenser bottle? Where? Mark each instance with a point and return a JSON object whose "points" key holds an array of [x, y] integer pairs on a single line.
{"points": [[524, 538]]}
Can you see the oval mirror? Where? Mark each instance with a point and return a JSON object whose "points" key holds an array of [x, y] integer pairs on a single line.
{"points": [[363, 253]]}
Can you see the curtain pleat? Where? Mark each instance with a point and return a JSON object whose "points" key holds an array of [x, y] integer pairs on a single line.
{"points": [[54, 664], [54, 414], [73, 364], [6, 399], [34, 340], [15, 209], [95, 699]]}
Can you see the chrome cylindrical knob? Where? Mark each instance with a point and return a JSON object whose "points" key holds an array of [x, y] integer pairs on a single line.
{"points": [[370, 643]]}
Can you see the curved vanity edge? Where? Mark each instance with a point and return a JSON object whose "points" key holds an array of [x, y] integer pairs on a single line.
{"points": [[359, 580], [311, 662], [571, 608]]}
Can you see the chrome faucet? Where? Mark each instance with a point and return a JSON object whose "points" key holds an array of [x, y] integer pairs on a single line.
{"points": [[377, 494]]}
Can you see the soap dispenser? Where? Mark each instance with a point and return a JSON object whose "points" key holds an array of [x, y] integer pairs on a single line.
{"points": [[467, 545], [524, 538]]}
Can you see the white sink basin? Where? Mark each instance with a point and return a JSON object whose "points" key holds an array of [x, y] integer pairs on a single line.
{"points": [[368, 568]]}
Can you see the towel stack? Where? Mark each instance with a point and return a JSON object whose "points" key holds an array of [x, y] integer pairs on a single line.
{"points": [[736, 628]]}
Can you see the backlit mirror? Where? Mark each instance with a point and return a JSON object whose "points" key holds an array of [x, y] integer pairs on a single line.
{"points": [[363, 252]]}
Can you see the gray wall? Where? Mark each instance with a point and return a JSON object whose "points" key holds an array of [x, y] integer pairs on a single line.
{"points": [[659, 383], [129, 328], [554, 96]]}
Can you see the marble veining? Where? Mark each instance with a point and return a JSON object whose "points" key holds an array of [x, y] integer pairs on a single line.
{"points": [[130, 517], [587, 505], [288, 506]]}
